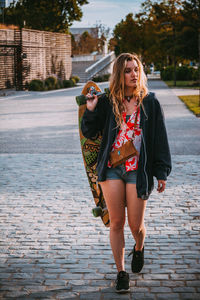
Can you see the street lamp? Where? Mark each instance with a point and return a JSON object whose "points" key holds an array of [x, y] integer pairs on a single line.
{"points": [[174, 47]]}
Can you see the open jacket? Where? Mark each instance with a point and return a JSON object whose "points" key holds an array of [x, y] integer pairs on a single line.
{"points": [[154, 159]]}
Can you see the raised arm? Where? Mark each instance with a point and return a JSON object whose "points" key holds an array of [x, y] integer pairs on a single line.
{"points": [[94, 116]]}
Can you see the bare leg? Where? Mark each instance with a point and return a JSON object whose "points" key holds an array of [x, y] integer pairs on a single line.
{"points": [[114, 193], [136, 210]]}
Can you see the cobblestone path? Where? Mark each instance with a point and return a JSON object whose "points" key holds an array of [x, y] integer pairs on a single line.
{"points": [[51, 247]]}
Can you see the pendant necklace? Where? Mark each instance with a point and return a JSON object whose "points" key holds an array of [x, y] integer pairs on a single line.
{"points": [[128, 98]]}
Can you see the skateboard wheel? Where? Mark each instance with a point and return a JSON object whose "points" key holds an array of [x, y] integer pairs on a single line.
{"points": [[97, 212]]}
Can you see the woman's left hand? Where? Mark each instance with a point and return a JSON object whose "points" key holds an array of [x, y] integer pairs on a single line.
{"points": [[161, 186]]}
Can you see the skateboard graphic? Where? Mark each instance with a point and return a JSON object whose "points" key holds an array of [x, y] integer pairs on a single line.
{"points": [[90, 149]]}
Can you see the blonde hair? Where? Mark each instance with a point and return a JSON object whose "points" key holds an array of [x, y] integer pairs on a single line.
{"points": [[117, 84]]}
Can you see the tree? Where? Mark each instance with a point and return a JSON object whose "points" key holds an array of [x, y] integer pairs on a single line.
{"points": [[191, 29], [50, 15], [161, 29], [127, 36], [86, 44]]}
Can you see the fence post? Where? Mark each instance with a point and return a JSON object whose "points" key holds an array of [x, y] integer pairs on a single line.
{"points": [[18, 59]]}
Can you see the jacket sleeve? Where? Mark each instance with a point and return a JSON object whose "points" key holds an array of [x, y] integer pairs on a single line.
{"points": [[162, 158], [94, 121]]}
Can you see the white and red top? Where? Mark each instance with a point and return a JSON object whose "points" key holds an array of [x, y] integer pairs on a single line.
{"points": [[126, 133]]}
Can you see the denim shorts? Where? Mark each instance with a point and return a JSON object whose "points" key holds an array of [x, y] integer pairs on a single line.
{"points": [[120, 172]]}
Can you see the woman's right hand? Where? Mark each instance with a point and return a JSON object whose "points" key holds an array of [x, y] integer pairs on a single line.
{"points": [[92, 101]]}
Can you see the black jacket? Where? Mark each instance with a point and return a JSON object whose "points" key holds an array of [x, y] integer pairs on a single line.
{"points": [[154, 159]]}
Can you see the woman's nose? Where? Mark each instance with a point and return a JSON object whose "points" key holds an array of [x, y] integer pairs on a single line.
{"points": [[133, 73]]}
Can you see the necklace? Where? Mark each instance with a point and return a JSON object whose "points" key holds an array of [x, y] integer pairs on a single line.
{"points": [[128, 98]]}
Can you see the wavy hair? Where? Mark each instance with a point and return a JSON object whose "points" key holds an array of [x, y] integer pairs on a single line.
{"points": [[117, 84]]}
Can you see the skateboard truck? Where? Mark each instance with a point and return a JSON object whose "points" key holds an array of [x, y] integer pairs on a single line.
{"points": [[98, 211], [82, 99]]}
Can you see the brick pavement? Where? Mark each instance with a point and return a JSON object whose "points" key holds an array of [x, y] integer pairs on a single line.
{"points": [[52, 247]]}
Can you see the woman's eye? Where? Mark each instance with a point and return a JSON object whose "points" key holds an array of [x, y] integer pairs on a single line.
{"points": [[127, 70]]}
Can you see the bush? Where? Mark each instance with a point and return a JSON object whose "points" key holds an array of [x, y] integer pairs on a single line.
{"points": [[76, 78], [101, 78], [182, 73], [73, 80], [68, 83], [50, 82], [36, 85], [195, 74], [59, 84], [167, 73]]}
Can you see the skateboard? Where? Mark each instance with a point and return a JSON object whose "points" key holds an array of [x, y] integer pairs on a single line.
{"points": [[90, 149]]}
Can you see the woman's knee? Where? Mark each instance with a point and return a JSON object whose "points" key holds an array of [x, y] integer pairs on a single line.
{"points": [[136, 228], [117, 224]]}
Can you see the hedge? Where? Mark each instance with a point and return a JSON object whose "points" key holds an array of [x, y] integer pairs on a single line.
{"points": [[182, 73], [52, 83]]}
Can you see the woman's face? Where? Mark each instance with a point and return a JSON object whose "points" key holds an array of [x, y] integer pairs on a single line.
{"points": [[131, 74]]}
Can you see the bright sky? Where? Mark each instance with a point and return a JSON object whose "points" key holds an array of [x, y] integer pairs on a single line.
{"points": [[107, 12]]}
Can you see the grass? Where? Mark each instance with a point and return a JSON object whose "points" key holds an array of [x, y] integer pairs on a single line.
{"points": [[192, 102], [191, 84]]}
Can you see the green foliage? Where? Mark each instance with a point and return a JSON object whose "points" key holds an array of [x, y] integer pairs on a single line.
{"points": [[50, 82], [182, 73], [127, 35], [59, 84], [167, 73], [195, 74], [87, 43], [101, 78], [36, 85], [190, 29], [163, 31], [50, 15], [73, 80], [68, 83], [76, 78]]}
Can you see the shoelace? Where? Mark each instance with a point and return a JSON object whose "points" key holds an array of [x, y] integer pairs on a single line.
{"points": [[131, 253], [137, 253]]}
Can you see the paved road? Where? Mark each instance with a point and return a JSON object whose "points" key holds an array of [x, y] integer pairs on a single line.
{"points": [[51, 246]]}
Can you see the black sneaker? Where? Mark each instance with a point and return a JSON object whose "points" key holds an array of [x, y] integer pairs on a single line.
{"points": [[122, 282], [137, 260]]}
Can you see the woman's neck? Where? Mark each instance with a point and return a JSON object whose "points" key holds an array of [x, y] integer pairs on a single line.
{"points": [[128, 91]]}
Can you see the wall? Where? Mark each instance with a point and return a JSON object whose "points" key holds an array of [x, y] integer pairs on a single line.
{"points": [[32, 54]]}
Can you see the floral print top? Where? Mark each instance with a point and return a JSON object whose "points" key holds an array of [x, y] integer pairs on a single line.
{"points": [[126, 133]]}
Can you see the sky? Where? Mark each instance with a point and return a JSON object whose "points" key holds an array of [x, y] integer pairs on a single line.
{"points": [[107, 12]]}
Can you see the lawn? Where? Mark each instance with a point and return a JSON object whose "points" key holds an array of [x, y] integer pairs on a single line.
{"points": [[183, 84], [192, 102]]}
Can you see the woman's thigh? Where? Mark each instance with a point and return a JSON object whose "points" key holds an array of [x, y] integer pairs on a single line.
{"points": [[114, 192], [135, 207]]}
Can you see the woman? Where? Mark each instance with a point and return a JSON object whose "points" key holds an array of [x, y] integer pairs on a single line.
{"points": [[130, 112]]}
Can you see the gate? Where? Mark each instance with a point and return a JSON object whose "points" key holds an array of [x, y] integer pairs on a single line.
{"points": [[11, 62]]}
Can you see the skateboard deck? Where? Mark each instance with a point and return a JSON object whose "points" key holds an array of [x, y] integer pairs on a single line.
{"points": [[90, 149]]}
